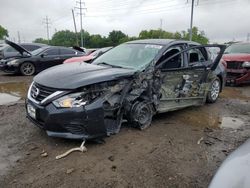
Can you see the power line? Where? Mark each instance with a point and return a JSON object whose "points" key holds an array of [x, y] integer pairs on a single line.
{"points": [[81, 8], [47, 22]]}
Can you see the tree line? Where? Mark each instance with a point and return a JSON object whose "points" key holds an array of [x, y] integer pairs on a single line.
{"points": [[69, 38]]}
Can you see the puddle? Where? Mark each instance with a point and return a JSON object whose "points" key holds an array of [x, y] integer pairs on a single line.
{"points": [[12, 92], [230, 122], [234, 93], [201, 119], [7, 98]]}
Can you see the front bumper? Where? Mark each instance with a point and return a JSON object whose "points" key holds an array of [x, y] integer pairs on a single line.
{"points": [[238, 76], [9, 68], [75, 123]]}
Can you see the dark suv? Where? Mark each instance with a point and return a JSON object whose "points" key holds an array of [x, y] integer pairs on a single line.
{"points": [[131, 82]]}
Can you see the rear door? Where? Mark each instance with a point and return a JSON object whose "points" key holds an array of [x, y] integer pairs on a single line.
{"points": [[184, 77]]}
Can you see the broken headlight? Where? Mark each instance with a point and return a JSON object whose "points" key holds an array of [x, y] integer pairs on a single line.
{"points": [[70, 101]]}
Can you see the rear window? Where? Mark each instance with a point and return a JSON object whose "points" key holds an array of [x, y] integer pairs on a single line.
{"points": [[30, 47], [67, 52]]}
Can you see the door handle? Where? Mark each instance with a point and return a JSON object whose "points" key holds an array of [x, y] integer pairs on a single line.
{"points": [[57, 58]]}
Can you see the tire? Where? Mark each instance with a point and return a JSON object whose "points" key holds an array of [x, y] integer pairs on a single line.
{"points": [[214, 91], [141, 115], [27, 69]]}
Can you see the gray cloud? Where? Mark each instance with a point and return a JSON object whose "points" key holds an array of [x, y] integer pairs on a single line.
{"points": [[222, 20]]}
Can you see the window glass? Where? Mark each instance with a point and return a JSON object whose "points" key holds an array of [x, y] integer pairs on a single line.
{"points": [[134, 56], [67, 51], [175, 62], [238, 48], [195, 56], [30, 47], [54, 51], [10, 49]]}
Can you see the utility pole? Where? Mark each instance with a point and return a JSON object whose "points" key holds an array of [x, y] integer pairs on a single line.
{"points": [[191, 21], [18, 36], [75, 27], [161, 27], [81, 8], [47, 22]]}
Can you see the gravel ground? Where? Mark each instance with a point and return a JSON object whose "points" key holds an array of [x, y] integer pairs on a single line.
{"points": [[181, 149]]}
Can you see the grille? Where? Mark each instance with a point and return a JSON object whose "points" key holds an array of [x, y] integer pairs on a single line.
{"points": [[39, 92], [75, 129], [234, 64]]}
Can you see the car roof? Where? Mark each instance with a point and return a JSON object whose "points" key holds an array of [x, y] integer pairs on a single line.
{"points": [[36, 44], [163, 42]]}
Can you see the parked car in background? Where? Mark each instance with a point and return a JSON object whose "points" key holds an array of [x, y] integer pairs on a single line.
{"points": [[30, 63], [132, 82], [7, 51], [237, 58], [88, 58]]}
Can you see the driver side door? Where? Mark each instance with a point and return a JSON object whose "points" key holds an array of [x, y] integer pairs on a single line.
{"points": [[183, 78], [50, 57]]}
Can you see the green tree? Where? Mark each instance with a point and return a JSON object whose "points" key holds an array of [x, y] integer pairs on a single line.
{"points": [[115, 37], [3, 32], [197, 36], [96, 41], [41, 40], [64, 38]]}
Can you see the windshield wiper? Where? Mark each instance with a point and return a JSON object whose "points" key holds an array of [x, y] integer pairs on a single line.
{"points": [[115, 66]]}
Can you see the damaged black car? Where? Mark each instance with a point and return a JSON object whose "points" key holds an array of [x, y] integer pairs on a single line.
{"points": [[131, 82]]}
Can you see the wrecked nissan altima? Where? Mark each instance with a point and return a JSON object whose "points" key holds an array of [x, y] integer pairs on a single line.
{"points": [[131, 82]]}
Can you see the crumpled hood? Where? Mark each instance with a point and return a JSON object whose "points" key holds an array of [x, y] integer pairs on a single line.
{"points": [[236, 57], [75, 75]]}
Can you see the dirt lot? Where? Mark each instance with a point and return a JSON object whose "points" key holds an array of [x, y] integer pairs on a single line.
{"points": [[180, 149]]}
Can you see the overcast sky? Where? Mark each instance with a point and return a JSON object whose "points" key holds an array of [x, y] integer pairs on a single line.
{"points": [[222, 20]]}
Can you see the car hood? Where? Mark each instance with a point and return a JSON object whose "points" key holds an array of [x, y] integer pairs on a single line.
{"points": [[236, 57], [75, 75], [18, 48]]}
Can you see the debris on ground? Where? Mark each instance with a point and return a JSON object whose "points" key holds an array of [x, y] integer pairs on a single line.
{"points": [[44, 154], [82, 148], [69, 171], [199, 141]]}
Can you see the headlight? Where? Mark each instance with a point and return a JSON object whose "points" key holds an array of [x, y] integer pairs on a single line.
{"points": [[246, 64], [13, 62], [70, 101]]}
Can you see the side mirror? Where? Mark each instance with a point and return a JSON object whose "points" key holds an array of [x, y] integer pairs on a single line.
{"points": [[42, 55], [246, 65]]}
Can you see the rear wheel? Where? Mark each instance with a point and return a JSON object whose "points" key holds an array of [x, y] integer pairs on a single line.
{"points": [[214, 91], [27, 69], [141, 115]]}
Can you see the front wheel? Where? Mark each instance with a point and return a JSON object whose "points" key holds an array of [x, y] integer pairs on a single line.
{"points": [[141, 115], [214, 91], [27, 69]]}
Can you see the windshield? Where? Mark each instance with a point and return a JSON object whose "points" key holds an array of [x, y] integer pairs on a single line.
{"points": [[134, 56], [37, 51], [238, 48]]}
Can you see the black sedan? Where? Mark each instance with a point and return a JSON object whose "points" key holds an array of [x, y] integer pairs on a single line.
{"points": [[33, 62], [130, 82]]}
